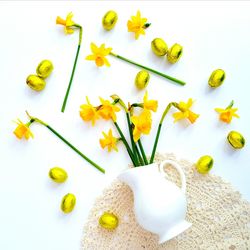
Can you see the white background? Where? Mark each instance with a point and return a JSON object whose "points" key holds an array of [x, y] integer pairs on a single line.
{"points": [[213, 34]]}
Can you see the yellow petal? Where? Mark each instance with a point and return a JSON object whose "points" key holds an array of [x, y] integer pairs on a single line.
{"points": [[107, 51], [236, 115], [189, 103], [94, 48], [138, 14], [69, 21], [90, 57], [134, 19], [136, 134], [68, 30], [129, 25], [219, 110], [106, 62], [178, 116], [134, 119]]}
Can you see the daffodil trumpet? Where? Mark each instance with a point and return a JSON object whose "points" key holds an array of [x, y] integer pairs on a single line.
{"points": [[69, 28], [149, 69], [34, 119]]}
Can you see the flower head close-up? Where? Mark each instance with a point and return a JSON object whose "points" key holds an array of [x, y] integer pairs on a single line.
{"points": [[109, 141], [149, 104], [23, 130], [227, 114], [67, 23], [88, 112], [108, 110], [137, 24], [185, 112], [142, 124], [99, 55]]}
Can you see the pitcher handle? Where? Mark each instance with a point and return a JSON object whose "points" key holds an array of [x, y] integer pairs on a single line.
{"points": [[180, 171]]}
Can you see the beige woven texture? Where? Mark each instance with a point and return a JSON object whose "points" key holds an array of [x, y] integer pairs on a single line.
{"points": [[220, 217]]}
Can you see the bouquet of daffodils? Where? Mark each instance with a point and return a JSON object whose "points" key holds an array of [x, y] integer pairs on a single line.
{"points": [[138, 125]]}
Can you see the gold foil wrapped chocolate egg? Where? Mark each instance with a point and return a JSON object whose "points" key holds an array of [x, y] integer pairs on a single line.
{"points": [[142, 79], [58, 175], [174, 53], [159, 47], [35, 82], [204, 164], [236, 139], [108, 221], [68, 203], [109, 20], [44, 68], [217, 78]]}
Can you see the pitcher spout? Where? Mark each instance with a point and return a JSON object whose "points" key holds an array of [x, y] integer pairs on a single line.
{"points": [[129, 177], [174, 231], [136, 176]]}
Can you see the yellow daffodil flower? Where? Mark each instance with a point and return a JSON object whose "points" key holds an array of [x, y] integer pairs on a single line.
{"points": [[109, 141], [137, 25], [99, 55], [68, 23], [149, 104], [228, 113], [23, 130], [142, 124], [88, 112], [185, 112], [107, 110]]}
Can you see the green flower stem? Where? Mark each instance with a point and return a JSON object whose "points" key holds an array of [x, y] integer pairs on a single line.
{"points": [[131, 138], [142, 152], [75, 149], [149, 69], [142, 163], [159, 129], [155, 144], [230, 105], [125, 143], [73, 70], [34, 119], [136, 152]]}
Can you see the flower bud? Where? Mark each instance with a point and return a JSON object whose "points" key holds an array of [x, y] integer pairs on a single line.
{"points": [[159, 47], [109, 20], [44, 68], [35, 82], [142, 79], [58, 175], [68, 203], [236, 139], [108, 221], [174, 53], [204, 164], [217, 78]]}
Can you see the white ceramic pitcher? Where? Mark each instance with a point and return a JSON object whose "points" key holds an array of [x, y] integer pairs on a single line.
{"points": [[159, 205]]}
